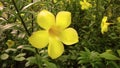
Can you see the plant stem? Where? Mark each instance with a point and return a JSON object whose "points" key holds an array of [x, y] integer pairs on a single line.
{"points": [[32, 18], [23, 23], [18, 12]]}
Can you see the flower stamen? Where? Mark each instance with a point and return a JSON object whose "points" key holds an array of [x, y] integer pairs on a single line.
{"points": [[54, 31]]}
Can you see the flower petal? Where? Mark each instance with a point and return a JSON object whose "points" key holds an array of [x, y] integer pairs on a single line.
{"points": [[39, 39], [69, 36], [63, 19], [55, 48], [85, 5], [104, 19], [45, 19], [105, 27]]}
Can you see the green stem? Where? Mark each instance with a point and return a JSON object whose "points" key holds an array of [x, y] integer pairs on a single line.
{"points": [[18, 12], [23, 23], [32, 18]]}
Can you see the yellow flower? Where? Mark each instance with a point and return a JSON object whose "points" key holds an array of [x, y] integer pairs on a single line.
{"points": [[54, 33], [10, 43], [118, 19], [85, 5], [54, 1], [104, 25]]}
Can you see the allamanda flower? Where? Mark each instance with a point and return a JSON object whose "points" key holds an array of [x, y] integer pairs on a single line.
{"points": [[54, 33], [85, 5], [104, 25]]}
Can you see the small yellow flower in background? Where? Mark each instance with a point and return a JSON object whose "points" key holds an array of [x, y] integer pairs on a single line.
{"points": [[10, 43], [69, 1], [118, 19], [1, 6], [54, 1], [85, 5], [54, 33], [104, 25]]}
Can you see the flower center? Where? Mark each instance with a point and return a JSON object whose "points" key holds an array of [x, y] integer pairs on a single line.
{"points": [[54, 31]]}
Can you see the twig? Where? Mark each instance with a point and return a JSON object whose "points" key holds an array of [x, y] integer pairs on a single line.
{"points": [[18, 12], [37, 52]]}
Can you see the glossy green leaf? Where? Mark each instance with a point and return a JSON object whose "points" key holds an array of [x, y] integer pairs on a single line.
{"points": [[118, 51], [109, 56], [20, 57], [29, 49], [10, 49], [30, 60], [50, 64], [4, 56]]}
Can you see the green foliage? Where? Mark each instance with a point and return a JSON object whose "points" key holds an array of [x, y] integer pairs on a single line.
{"points": [[94, 49], [4, 56], [20, 57], [109, 56], [118, 51]]}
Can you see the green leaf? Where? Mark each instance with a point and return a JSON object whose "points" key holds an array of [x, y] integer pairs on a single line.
{"points": [[31, 60], [10, 49], [118, 51], [113, 64], [30, 4], [49, 64], [19, 58], [21, 55], [4, 56], [21, 35], [7, 26], [87, 50], [27, 64], [30, 49], [109, 56], [83, 61]]}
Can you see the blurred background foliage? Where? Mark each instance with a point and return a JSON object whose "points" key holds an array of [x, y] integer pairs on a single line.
{"points": [[94, 49]]}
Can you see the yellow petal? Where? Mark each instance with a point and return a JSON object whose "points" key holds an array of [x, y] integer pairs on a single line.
{"points": [[45, 19], [82, 5], [105, 27], [104, 19], [39, 39], [69, 36], [81, 2], [85, 5], [55, 48], [63, 19]]}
